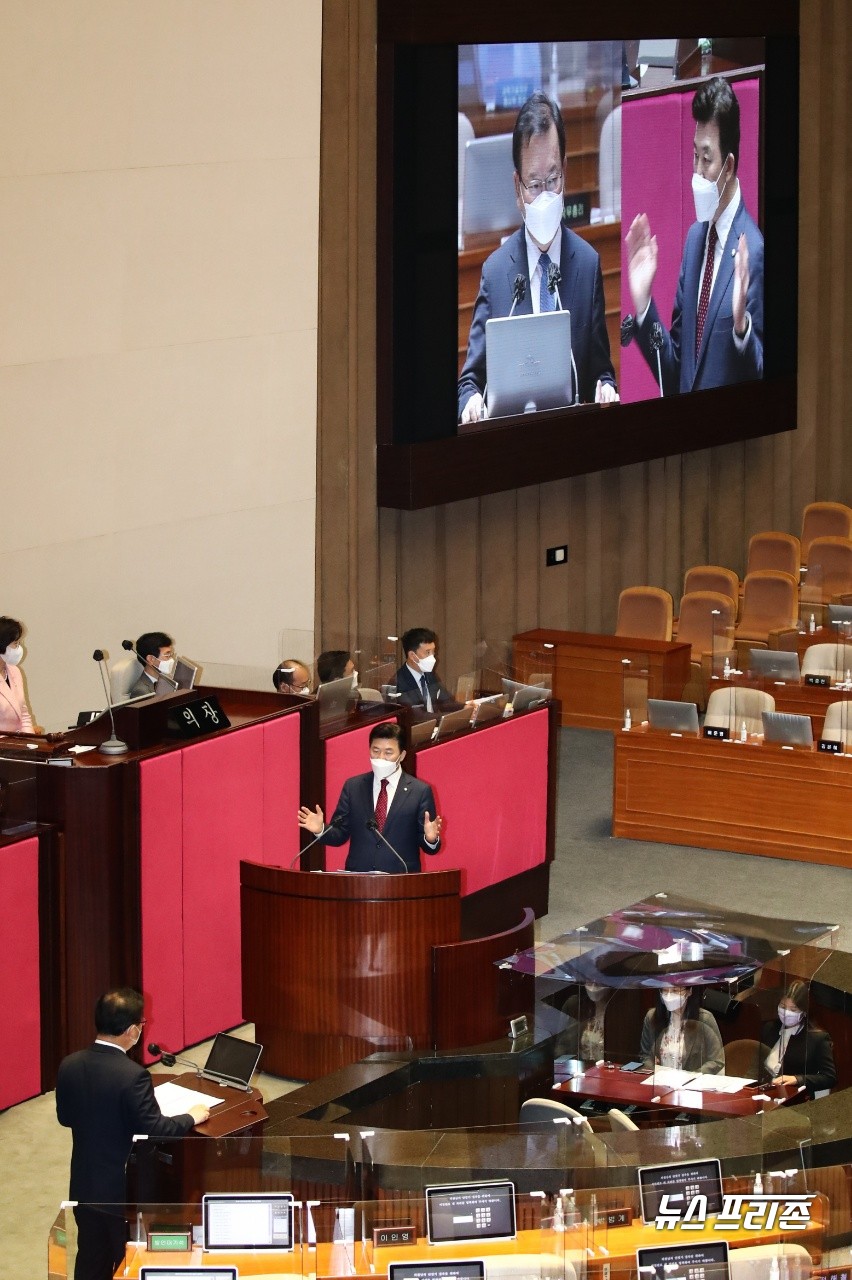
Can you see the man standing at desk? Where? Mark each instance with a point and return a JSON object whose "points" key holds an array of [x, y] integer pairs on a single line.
{"points": [[716, 334], [384, 805], [538, 152]]}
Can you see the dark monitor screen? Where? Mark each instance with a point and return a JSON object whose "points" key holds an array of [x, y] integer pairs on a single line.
{"points": [[465, 1270], [680, 1182], [253, 1221], [684, 1262], [470, 1211], [232, 1059]]}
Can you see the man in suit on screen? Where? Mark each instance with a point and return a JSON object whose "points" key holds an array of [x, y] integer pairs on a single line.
{"points": [[538, 152], [716, 333], [382, 803]]}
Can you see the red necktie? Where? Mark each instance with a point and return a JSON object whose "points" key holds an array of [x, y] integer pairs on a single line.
{"points": [[382, 805], [706, 285]]}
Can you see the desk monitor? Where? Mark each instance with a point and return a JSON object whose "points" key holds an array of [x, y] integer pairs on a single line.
{"points": [[674, 717], [528, 363], [523, 696], [684, 1262], [774, 664], [468, 1212], [422, 731], [788, 729], [680, 1182], [337, 698], [489, 203], [453, 721], [176, 1272], [185, 673], [232, 1061], [253, 1220], [840, 613], [469, 1269]]}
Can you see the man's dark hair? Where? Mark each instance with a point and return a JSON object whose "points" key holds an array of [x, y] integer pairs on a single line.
{"points": [[331, 665], [535, 118], [416, 636], [117, 1010], [716, 100], [283, 674], [10, 633], [149, 645], [388, 729]]}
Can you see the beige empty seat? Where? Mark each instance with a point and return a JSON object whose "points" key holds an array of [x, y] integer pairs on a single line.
{"points": [[743, 1058], [618, 1121], [772, 550], [829, 571], [645, 613], [727, 709], [824, 519], [541, 1110], [759, 1261], [770, 603], [838, 722], [711, 577], [832, 660]]}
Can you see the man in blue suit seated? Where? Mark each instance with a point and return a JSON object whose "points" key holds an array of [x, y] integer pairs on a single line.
{"points": [[417, 682], [380, 808], [716, 334], [538, 152]]}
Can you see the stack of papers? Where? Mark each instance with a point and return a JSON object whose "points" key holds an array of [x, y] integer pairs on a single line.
{"points": [[175, 1100]]}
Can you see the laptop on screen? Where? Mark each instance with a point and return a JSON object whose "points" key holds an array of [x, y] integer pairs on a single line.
{"points": [[788, 729], [707, 1261], [254, 1220], [489, 202], [232, 1061], [528, 363], [680, 1182], [674, 717], [775, 664], [469, 1212]]}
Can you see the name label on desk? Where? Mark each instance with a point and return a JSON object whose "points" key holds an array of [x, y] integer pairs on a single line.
{"points": [[716, 731], [197, 718], [826, 744], [390, 1237], [169, 1239], [820, 682], [616, 1217]]}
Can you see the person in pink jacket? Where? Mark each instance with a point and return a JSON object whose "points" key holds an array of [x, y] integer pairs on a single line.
{"points": [[14, 713]]}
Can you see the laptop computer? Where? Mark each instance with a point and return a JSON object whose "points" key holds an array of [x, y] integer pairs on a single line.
{"points": [[235, 1221], [788, 729], [337, 698], [528, 363], [674, 717], [177, 1272], [774, 664], [232, 1061]]}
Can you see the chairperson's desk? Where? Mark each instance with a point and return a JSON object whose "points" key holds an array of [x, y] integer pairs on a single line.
{"points": [[609, 1084], [747, 797], [589, 671]]}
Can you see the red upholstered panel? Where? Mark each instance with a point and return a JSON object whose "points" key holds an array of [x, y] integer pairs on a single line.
{"points": [[20, 1063], [161, 846], [345, 755], [222, 822], [281, 770], [491, 788]]}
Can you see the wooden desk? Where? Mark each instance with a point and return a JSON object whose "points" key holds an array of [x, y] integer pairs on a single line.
{"points": [[608, 1084], [796, 698], [588, 671], [746, 797]]}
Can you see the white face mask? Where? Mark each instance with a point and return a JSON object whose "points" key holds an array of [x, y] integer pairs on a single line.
{"points": [[789, 1017], [427, 664], [706, 196], [544, 216], [595, 992], [13, 655], [384, 768], [354, 679], [166, 666], [674, 1000]]}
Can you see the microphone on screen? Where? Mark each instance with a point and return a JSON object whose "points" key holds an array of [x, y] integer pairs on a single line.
{"points": [[519, 291], [656, 339]]}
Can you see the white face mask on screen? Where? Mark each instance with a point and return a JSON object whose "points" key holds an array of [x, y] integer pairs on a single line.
{"points": [[543, 216], [706, 197]]}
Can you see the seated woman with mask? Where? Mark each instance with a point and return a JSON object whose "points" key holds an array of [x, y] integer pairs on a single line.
{"points": [[797, 1051], [678, 1033]]}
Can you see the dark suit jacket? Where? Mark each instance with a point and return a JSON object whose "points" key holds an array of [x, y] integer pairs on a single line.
{"points": [[104, 1097], [581, 291], [409, 691], [719, 362], [809, 1056], [403, 825]]}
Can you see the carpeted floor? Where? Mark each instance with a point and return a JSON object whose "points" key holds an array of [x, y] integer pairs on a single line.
{"points": [[592, 874]]}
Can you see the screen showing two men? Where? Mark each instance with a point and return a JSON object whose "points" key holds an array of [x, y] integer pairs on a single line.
{"points": [[470, 1212], [236, 1222]]}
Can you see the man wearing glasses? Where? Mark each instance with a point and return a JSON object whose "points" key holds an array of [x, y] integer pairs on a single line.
{"points": [[538, 151], [105, 1098]]}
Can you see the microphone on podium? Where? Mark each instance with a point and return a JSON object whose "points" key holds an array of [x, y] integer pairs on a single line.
{"points": [[554, 279], [373, 826], [335, 823], [113, 745], [656, 340], [169, 1059]]}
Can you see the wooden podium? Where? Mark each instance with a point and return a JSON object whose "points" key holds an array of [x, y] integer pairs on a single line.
{"points": [[338, 965]]}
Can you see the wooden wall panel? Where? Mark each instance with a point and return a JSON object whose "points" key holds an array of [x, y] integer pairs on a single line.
{"points": [[475, 570]]}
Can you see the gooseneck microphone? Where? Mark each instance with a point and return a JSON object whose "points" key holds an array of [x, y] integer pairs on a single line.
{"points": [[169, 1059], [113, 746], [656, 339], [554, 279], [519, 291], [328, 826], [373, 826]]}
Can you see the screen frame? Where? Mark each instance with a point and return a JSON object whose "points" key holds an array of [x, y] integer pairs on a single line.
{"points": [[644, 1176], [447, 1188], [246, 1196], [413, 474]]}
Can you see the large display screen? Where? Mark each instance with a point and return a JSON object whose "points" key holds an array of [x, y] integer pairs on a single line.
{"points": [[470, 1211], [680, 1183], [593, 242], [257, 1221]]}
